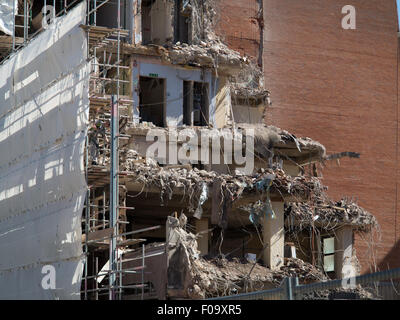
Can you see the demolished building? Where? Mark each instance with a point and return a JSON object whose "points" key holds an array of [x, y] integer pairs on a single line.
{"points": [[121, 123]]}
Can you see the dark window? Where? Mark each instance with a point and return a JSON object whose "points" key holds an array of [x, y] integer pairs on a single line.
{"points": [[195, 103], [182, 16], [152, 100]]}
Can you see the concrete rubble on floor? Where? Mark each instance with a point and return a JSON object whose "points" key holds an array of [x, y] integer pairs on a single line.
{"points": [[193, 277], [212, 196], [328, 214]]}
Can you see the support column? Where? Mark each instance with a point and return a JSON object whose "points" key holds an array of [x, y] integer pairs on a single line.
{"points": [[114, 198], [274, 237], [202, 241], [344, 252], [136, 21]]}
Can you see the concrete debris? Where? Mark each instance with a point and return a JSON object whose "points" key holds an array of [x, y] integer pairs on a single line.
{"points": [[248, 86], [193, 277], [209, 49], [219, 277], [328, 214], [267, 137], [206, 54], [193, 181], [203, 18], [340, 155], [305, 271], [247, 95], [203, 198], [321, 211]]}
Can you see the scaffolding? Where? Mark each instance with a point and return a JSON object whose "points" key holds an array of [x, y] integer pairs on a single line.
{"points": [[105, 220], [104, 237]]}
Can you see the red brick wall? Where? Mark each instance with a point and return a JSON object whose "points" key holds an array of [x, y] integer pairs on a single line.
{"points": [[238, 25], [338, 87]]}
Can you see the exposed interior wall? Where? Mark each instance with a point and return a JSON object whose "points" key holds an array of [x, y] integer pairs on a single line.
{"points": [[202, 226], [157, 20], [303, 243], [161, 21], [145, 17], [248, 113], [223, 104], [309, 247], [174, 77], [238, 244], [155, 275], [136, 22], [291, 168]]}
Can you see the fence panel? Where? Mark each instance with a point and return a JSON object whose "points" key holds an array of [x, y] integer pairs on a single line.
{"points": [[382, 284]]}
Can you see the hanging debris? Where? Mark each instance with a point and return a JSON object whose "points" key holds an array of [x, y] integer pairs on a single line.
{"points": [[193, 277], [329, 214]]}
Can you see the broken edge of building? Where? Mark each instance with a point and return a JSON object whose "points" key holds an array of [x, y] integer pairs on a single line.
{"points": [[79, 190]]}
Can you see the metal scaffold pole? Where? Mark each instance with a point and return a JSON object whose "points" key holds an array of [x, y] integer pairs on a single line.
{"points": [[113, 195], [13, 36], [87, 217], [110, 59]]}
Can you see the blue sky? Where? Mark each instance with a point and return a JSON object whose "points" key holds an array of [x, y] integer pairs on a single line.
{"points": [[398, 10]]}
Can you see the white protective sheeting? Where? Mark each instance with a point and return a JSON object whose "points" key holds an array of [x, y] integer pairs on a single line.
{"points": [[7, 12], [44, 108]]}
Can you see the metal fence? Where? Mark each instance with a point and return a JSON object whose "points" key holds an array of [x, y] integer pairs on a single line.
{"points": [[382, 285]]}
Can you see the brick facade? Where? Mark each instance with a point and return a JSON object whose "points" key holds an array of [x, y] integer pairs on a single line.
{"points": [[337, 86]]}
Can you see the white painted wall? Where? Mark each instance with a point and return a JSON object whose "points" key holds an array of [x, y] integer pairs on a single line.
{"points": [[174, 76]]}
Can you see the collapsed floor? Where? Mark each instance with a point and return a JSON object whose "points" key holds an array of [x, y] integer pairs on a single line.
{"points": [[145, 177], [193, 277], [224, 200], [150, 190]]}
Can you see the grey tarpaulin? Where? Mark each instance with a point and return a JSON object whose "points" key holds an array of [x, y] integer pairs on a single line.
{"points": [[7, 10], [203, 198], [43, 126], [264, 186]]}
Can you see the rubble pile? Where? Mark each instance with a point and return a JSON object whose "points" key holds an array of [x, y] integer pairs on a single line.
{"points": [[209, 54], [328, 214], [203, 16], [248, 86], [305, 271], [218, 277], [247, 95], [206, 48], [266, 137], [193, 181]]}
